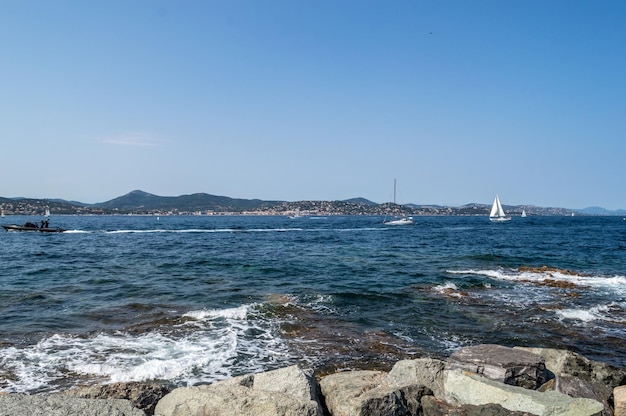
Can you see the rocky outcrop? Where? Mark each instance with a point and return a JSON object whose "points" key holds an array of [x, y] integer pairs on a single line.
{"points": [[285, 392], [59, 405], [484, 380]]}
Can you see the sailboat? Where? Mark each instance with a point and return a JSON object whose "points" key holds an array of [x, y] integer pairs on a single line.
{"points": [[497, 213], [523, 213], [398, 220]]}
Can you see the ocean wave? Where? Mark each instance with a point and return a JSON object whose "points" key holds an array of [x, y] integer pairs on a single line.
{"points": [[217, 346], [614, 312], [550, 276]]}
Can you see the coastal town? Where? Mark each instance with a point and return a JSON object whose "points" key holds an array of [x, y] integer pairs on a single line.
{"points": [[227, 206]]}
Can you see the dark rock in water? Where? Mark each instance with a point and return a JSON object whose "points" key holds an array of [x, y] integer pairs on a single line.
{"points": [[143, 396], [515, 367]]}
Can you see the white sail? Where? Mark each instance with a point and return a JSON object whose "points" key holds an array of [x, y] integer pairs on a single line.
{"points": [[47, 212], [497, 213]]}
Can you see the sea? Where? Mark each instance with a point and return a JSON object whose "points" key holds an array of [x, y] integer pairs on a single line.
{"points": [[191, 300]]}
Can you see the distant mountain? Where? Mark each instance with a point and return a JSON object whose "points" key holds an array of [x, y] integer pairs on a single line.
{"points": [[361, 201], [140, 200], [63, 201], [601, 211]]}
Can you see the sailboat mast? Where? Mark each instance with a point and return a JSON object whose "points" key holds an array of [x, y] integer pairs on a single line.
{"points": [[394, 191]]}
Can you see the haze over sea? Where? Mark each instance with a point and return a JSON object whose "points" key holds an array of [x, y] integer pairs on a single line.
{"points": [[194, 299]]}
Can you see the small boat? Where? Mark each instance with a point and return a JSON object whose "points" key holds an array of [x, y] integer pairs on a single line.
{"points": [[497, 213], [29, 226], [296, 215], [398, 220], [523, 213]]}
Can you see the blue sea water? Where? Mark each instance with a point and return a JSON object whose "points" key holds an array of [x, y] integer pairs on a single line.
{"points": [[194, 299]]}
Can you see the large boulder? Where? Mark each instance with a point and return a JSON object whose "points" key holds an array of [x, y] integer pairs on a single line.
{"points": [[289, 391], [568, 362], [371, 393], [433, 406], [463, 387], [59, 405], [619, 396], [143, 396], [515, 367], [422, 372]]}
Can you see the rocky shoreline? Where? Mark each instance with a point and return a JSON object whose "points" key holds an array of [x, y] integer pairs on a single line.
{"points": [[485, 380]]}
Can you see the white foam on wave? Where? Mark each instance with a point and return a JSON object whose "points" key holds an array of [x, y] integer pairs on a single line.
{"points": [[447, 286], [613, 312], [211, 345], [232, 313], [615, 283]]}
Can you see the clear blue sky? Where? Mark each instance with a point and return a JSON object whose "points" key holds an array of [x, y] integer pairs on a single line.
{"points": [[320, 99]]}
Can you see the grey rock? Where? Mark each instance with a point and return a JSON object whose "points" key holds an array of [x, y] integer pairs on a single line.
{"points": [[143, 396], [432, 406], [59, 405], [463, 387], [371, 393], [619, 396], [422, 371], [285, 392], [575, 387], [568, 362], [515, 367]]}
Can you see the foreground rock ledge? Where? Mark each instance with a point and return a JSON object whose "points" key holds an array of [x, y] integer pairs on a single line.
{"points": [[484, 380]]}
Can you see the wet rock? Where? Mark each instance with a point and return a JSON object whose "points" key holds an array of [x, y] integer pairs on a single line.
{"points": [[515, 367], [285, 392], [143, 396], [60, 405]]}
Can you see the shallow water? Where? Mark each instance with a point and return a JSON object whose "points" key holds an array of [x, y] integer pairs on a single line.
{"points": [[197, 299]]}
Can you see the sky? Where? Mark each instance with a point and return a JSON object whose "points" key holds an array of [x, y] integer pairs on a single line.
{"points": [[315, 100]]}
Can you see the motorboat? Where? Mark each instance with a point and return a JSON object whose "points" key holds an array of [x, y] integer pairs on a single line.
{"points": [[29, 226]]}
